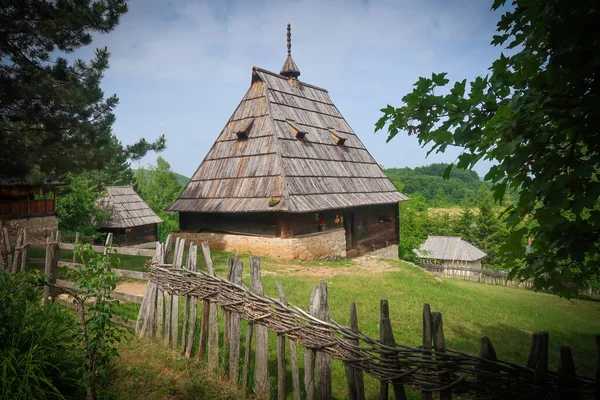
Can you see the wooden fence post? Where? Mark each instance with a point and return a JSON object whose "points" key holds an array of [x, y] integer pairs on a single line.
{"points": [[293, 355], [323, 359], [160, 256], [487, 352], [205, 305], [18, 244], [47, 269], [177, 263], [169, 304], [439, 343], [213, 319], [427, 335], [150, 315], [538, 359], [234, 332], [227, 318], [568, 386], [597, 375], [109, 240], [192, 261], [3, 252], [168, 246], [354, 376], [25, 245], [76, 241], [249, 332], [186, 312], [309, 356], [262, 385], [7, 248], [56, 253], [386, 336]]}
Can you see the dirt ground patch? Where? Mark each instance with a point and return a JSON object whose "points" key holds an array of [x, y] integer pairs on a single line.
{"points": [[364, 265], [135, 288]]}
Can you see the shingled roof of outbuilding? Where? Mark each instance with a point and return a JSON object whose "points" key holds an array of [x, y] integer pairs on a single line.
{"points": [[127, 208], [449, 248], [259, 159]]}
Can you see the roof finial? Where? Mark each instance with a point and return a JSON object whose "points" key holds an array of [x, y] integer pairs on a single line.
{"points": [[289, 68], [289, 39]]}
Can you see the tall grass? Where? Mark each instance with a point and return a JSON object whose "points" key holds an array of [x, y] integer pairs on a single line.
{"points": [[39, 354]]}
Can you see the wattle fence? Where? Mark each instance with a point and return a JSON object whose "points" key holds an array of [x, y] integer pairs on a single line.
{"points": [[430, 368]]}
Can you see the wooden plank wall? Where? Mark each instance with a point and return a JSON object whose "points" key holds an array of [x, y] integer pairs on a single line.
{"points": [[262, 224]]}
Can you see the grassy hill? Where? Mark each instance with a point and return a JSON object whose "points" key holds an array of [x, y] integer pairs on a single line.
{"points": [[508, 316]]}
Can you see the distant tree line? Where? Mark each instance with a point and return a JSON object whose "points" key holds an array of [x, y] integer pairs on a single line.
{"points": [[461, 189]]}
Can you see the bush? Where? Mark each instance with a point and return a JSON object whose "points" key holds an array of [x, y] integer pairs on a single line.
{"points": [[40, 356]]}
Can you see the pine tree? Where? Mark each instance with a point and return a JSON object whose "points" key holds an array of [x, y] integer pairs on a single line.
{"points": [[54, 118], [466, 225], [491, 231]]}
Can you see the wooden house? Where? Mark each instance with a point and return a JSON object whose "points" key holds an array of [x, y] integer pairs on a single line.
{"points": [[288, 177], [132, 220], [450, 251], [30, 206]]}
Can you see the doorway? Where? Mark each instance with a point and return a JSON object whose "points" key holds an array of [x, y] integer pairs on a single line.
{"points": [[349, 229]]}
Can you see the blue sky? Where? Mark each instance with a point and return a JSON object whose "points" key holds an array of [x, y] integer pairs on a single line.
{"points": [[181, 67]]}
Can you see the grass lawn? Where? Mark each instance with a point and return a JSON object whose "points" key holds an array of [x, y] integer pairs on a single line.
{"points": [[122, 261], [508, 316], [147, 370]]}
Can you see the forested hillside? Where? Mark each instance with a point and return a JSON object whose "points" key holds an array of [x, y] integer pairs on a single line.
{"points": [[183, 180], [460, 189]]}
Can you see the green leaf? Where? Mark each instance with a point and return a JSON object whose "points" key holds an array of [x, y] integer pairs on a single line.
{"points": [[439, 79]]}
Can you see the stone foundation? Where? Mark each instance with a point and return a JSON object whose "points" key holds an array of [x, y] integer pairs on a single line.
{"points": [[389, 252], [328, 245], [38, 228]]}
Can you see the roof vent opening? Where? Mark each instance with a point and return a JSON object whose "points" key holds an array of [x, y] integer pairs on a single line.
{"points": [[298, 133], [336, 138], [244, 130]]}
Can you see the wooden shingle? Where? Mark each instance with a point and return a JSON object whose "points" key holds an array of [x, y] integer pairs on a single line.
{"points": [[329, 168], [126, 208]]}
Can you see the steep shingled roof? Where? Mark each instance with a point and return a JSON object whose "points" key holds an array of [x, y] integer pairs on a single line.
{"points": [[449, 248], [259, 156], [126, 207]]}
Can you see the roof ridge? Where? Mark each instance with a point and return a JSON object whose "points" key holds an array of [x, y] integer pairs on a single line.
{"points": [[286, 78], [285, 190]]}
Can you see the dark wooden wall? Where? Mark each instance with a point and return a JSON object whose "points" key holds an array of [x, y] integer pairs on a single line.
{"points": [[374, 226], [259, 224], [133, 235], [305, 223]]}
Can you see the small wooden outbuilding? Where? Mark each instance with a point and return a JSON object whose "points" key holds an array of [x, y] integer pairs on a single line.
{"points": [[288, 177], [451, 251], [132, 220]]}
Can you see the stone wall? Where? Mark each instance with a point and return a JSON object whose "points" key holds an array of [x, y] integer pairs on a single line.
{"points": [[328, 245], [38, 228], [389, 252]]}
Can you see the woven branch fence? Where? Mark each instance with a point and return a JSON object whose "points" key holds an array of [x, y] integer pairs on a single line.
{"points": [[482, 275], [429, 368]]}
